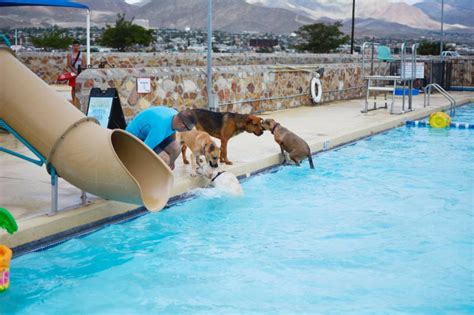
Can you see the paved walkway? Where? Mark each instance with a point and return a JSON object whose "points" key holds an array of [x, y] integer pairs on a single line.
{"points": [[25, 188]]}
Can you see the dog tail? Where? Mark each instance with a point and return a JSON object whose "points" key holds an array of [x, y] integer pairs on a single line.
{"points": [[311, 164]]}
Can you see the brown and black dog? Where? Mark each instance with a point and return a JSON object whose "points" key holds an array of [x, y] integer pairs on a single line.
{"points": [[226, 125], [297, 148]]}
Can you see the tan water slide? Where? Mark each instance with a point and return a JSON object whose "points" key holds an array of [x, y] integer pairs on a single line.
{"points": [[112, 164]]}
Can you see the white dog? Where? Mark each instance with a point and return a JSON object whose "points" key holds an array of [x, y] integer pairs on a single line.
{"points": [[221, 180]]}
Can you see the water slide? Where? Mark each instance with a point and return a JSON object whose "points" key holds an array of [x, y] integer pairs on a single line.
{"points": [[111, 164]]}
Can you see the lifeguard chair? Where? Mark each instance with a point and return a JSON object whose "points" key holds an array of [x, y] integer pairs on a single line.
{"points": [[387, 84]]}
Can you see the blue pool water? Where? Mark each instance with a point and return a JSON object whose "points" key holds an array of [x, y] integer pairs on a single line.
{"points": [[384, 225]]}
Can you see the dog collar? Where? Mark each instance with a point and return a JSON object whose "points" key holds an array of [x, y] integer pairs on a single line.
{"points": [[274, 127], [218, 174]]}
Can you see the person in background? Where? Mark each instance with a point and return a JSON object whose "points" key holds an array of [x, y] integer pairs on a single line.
{"points": [[157, 126], [76, 62]]}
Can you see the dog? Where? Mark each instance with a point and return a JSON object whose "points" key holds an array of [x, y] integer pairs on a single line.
{"points": [[226, 125], [296, 147], [200, 144], [223, 181]]}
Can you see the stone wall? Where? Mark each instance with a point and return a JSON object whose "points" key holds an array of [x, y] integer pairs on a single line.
{"points": [[243, 89], [49, 66]]}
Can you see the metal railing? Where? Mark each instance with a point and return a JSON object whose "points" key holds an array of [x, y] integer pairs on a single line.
{"points": [[452, 101], [40, 161], [364, 46]]}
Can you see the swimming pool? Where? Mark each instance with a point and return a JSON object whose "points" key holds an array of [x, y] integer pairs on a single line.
{"points": [[384, 225]]}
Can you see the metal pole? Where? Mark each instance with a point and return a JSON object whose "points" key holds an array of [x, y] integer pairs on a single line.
{"points": [[352, 32], [83, 197], [403, 75], [54, 192], [431, 82], [442, 32], [88, 35], [209, 55], [372, 58], [413, 76]]}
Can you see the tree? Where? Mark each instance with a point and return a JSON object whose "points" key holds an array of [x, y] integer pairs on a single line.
{"points": [[55, 39], [320, 37], [125, 34], [264, 50], [429, 48]]}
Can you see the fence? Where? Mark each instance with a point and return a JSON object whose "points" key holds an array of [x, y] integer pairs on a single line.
{"points": [[452, 74]]}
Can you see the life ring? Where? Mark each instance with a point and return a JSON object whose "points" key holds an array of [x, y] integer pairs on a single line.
{"points": [[439, 120], [316, 90]]}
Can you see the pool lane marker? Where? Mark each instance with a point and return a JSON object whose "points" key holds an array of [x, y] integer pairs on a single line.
{"points": [[457, 125]]}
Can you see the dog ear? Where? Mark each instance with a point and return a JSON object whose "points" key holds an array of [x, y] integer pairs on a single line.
{"points": [[268, 122], [254, 120]]}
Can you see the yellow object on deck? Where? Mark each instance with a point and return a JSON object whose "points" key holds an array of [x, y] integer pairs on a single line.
{"points": [[5, 257], [440, 120]]}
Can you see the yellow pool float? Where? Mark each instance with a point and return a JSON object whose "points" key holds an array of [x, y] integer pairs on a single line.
{"points": [[5, 258], [440, 120]]}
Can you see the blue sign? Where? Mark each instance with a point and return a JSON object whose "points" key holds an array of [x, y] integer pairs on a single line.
{"points": [[99, 108]]}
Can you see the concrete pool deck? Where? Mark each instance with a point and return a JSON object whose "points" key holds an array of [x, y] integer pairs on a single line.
{"points": [[26, 192]]}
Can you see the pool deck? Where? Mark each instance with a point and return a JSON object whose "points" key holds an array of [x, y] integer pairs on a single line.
{"points": [[26, 192]]}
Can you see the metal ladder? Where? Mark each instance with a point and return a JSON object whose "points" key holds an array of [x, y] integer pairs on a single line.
{"points": [[439, 88], [407, 79]]}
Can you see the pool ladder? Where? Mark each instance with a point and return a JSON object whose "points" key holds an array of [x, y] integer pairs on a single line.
{"points": [[439, 88]]}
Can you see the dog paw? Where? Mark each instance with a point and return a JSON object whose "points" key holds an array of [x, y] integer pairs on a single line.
{"points": [[186, 162], [193, 174], [228, 162]]}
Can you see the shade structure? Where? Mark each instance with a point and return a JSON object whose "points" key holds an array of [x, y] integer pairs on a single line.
{"points": [[55, 3], [43, 3]]}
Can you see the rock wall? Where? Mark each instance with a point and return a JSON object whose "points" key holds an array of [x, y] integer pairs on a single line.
{"points": [[245, 83], [49, 65], [243, 89]]}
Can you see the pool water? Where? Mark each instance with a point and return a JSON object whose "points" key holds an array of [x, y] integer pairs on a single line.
{"points": [[384, 225]]}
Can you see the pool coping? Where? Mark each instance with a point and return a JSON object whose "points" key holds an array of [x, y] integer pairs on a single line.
{"points": [[243, 172]]}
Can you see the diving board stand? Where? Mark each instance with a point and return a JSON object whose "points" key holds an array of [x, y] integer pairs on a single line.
{"points": [[40, 161]]}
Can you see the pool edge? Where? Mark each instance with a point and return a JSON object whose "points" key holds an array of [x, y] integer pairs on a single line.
{"points": [[245, 171]]}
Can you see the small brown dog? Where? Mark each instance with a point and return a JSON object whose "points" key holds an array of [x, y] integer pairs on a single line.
{"points": [[200, 144], [297, 148], [226, 125]]}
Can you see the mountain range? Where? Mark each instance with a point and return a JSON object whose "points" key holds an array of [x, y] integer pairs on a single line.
{"points": [[373, 17]]}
